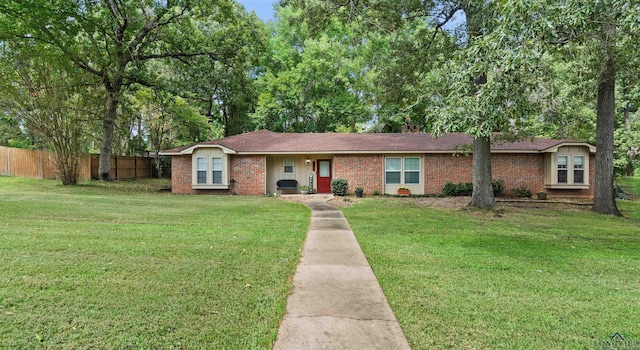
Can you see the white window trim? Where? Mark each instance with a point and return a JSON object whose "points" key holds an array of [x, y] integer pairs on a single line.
{"points": [[573, 169], [289, 162], [198, 170], [570, 184], [566, 168], [403, 171], [209, 185], [221, 170]]}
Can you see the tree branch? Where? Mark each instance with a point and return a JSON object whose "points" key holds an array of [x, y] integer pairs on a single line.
{"points": [[179, 55]]}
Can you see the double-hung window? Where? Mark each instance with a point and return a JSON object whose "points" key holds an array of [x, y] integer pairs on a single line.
{"points": [[288, 165], [209, 169], [393, 171], [402, 170], [578, 169], [216, 166], [562, 169], [412, 171], [570, 169], [201, 170]]}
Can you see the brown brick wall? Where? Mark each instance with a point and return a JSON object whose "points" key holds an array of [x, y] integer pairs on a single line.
{"points": [[442, 168], [519, 170], [249, 175], [247, 171], [515, 169], [366, 170], [181, 175], [361, 170]]}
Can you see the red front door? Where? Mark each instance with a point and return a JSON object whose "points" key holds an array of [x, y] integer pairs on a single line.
{"points": [[323, 174]]}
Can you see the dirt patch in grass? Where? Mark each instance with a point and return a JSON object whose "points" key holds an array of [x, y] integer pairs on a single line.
{"points": [[342, 202], [440, 202], [459, 203]]}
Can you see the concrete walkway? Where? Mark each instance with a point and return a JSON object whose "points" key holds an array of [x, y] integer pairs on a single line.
{"points": [[336, 302]]}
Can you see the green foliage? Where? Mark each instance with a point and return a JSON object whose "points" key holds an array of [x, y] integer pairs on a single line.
{"points": [[459, 189], [120, 44], [627, 144], [47, 99], [339, 187], [310, 84], [10, 133], [522, 191], [498, 185]]}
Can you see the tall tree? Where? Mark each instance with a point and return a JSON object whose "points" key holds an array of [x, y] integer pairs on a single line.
{"points": [[115, 40], [310, 83], [49, 99], [481, 85], [605, 33]]}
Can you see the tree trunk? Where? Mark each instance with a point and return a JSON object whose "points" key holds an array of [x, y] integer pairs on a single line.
{"points": [[482, 190], [108, 125], [604, 200]]}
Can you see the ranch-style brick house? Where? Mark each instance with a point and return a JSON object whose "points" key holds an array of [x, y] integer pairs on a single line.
{"points": [[252, 163]]}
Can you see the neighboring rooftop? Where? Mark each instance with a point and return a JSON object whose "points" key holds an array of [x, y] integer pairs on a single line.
{"points": [[265, 141]]}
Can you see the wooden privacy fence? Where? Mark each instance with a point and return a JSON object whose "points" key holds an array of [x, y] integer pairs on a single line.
{"points": [[124, 167], [20, 162]]}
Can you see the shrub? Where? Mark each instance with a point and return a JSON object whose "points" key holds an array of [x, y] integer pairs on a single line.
{"points": [[449, 189], [460, 189], [339, 187], [522, 191], [497, 185]]}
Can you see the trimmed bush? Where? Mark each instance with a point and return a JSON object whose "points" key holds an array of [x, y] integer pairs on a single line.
{"points": [[460, 189], [522, 191], [498, 186], [339, 187]]}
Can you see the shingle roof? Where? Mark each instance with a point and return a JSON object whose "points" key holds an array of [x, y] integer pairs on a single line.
{"points": [[265, 141]]}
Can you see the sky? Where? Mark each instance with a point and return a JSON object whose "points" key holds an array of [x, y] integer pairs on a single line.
{"points": [[263, 8]]}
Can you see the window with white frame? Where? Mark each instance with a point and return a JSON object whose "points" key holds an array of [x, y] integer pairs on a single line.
{"points": [[201, 170], [570, 169], [578, 169], [216, 166], [411, 171], [562, 162], [209, 169], [288, 165], [393, 171], [402, 170]]}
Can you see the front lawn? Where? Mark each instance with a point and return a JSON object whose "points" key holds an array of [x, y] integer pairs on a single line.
{"points": [[123, 266], [631, 207], [525, 278]]}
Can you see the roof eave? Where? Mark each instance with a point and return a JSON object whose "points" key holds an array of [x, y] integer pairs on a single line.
{"points": [[555, 148], [190, 150]]}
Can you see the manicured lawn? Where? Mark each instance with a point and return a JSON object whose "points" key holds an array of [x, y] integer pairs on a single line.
{"points": [[123, 266], [524, 278], [631, 207]]}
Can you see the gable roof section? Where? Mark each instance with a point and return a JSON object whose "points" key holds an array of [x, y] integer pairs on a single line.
{"points": [[268, 142]]}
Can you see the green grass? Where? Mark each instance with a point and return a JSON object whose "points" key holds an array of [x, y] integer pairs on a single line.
{"points": [[631, 207], [524, 278], [120, 265]]}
